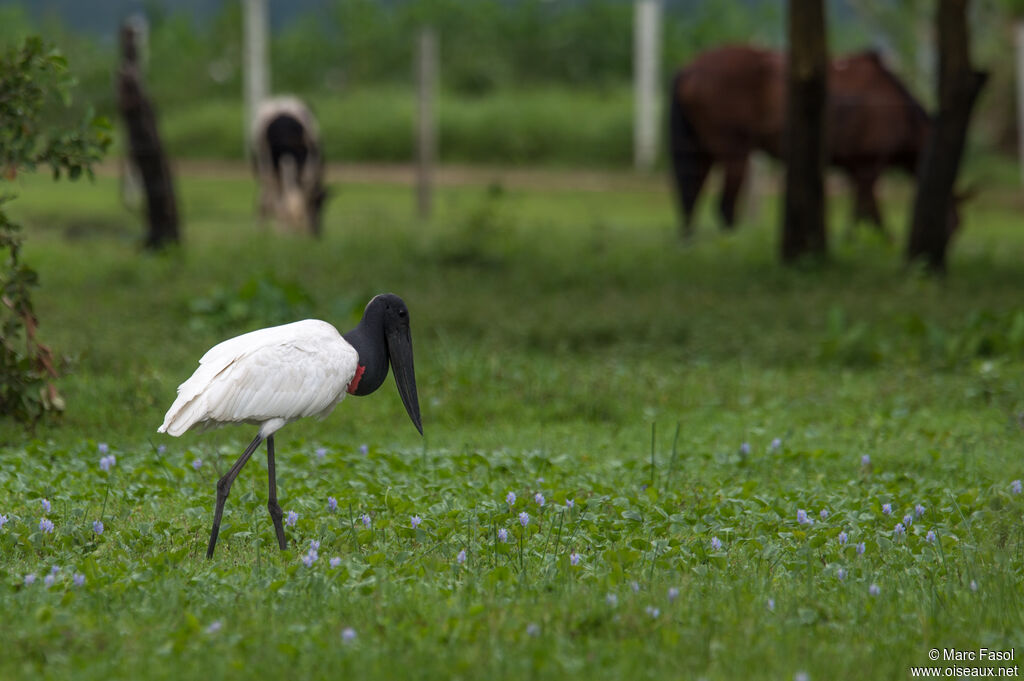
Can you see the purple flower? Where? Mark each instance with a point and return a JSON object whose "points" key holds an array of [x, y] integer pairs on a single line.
{"points": [[348, 634], [842, 538], [510, 498], [745, 448], [861, 548], [364, 449], [801, 517], [321, 452], [524, 518], [461, 558], [103, 447], [332, 504], [3, 521], [214, 626], [919, 510], [502, 535], [930, 537], [46, 525], [841, 574], [48, 580], [570, 503], [887, 509], [539, 498], [532, 630], [611, 599], [291, 519], [574, 558], [197, 463], [415, 521], [801, 676], [771, 604], [367, 520], [776, 443], [652, 611], [899, 530], [974, 585], [46, 505], [907, 519], [335, 562], [97, 526], [865, 460], [54, 569], [673, 594], [635, 586], [78, 578], [716, 543], [161, 449], [874, 590], [823, 513], [1015, 486], [314, 545], [107, 462], [310, 558], [30, 579]]}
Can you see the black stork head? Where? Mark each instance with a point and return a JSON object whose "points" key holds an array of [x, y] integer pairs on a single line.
{"points": [[381, 338]]}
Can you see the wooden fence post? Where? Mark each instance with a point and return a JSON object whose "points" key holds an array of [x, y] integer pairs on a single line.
{"points": [[646, 81], [256, 74], [426, 120]]}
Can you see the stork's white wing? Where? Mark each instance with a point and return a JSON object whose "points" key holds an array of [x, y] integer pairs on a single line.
{"points": [[268, 377]]}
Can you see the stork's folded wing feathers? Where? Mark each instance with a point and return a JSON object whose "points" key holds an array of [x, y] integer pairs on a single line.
{"points": [[273, 375]]}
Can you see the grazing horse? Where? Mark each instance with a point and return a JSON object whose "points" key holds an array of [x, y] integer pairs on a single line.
{"points": [[289, 165], [731, 101]]}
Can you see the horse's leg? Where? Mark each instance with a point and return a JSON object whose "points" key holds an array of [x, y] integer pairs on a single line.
{"points": [[866, 205], [690, 181], [735, 174]]}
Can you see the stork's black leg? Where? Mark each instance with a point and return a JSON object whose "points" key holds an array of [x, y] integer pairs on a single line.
{"points": [[272, 506], [224, 486]]}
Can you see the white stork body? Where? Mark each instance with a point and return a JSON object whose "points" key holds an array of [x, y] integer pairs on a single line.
{"points": [[268, 378]]}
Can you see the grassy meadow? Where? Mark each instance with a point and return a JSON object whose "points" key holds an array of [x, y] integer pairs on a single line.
{"points": [[721, 468]]}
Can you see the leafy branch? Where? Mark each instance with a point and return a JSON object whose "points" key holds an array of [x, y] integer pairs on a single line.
{"points": [[34, 79]]}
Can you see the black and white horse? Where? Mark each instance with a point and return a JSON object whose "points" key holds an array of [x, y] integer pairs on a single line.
{"points": [[289, 165]]}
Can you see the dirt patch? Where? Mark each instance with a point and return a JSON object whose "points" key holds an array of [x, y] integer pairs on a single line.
{"points": [[535, 179]]}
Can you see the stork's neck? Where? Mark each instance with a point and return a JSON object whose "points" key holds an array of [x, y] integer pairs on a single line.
{"points": [[369, 343]]}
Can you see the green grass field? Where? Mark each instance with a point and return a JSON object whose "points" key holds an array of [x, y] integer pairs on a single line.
{"points": [[694, 404]]}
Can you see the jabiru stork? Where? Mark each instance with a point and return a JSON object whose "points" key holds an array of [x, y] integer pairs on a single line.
{"points": [[277, 375]]}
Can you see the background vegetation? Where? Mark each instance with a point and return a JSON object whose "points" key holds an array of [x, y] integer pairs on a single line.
{"points": [[532, 80]]}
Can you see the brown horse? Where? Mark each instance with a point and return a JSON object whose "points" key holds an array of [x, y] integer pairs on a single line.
{"points": [[731, 101]]}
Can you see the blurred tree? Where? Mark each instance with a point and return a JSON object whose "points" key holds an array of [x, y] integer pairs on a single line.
{"points": [[146, 149], [32, 77], [1016, 8], [803, 223], [933, 221]]}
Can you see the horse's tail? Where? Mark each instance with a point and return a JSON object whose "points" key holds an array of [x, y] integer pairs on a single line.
{"points": [[690, 163]]}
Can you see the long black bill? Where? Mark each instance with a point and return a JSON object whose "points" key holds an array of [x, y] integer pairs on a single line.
{"points": [[399, 341]]}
